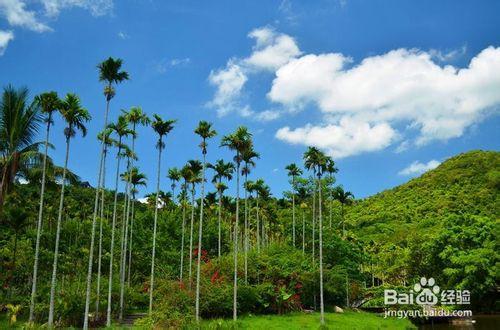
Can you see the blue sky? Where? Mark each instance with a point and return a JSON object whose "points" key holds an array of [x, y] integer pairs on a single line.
{"points": [[388, 88]]}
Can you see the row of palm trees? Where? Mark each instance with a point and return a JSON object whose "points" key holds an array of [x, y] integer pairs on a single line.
{"points": [[240, 142]]}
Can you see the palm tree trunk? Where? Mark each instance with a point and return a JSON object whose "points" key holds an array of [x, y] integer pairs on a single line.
{"points": [[182, 237], [303, 232], [123, 249], [219, 216], [39, 225], [112, 247], [258, 221], [245, 234], [235, 285], [131, 232], [200, 233], [99, 257], [58, 233], [191, 237], [321, 301], [154, 231], [313, 225], [92, 237]]}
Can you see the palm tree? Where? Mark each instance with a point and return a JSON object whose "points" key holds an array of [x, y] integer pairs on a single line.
{"points": [[345, 198], [49, 103], [121, 129], [310, 156], [205, 131], [293, 171], [316, 160], [162, 128], [136, 179], [174, 175], [331, 169], [110, 73], [222, 170], [238, 142], [19, 123], [75, 117], [195, 168], [186, 175], [258, 187], [105, 138], [247, 157]]}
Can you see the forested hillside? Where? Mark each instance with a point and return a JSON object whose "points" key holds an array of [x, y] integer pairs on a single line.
{"points": [[442, 224]]}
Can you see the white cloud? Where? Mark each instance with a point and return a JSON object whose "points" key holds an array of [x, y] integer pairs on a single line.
{"points": [[448, 55], [229, 82], [95, 7], [271, 51], [268, 115], [16, 14], [348, 138], [122, 35], [5, 38], [163, 65], [399, 86], [417, 167]]}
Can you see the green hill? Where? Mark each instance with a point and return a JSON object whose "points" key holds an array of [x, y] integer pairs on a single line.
{"points": [[442, 224]]}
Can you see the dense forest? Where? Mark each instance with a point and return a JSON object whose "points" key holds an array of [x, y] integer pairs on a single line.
{"points": [[100, 253]]}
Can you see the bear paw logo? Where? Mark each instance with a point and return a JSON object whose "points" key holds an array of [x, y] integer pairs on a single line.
{"points": [[428, 291]]}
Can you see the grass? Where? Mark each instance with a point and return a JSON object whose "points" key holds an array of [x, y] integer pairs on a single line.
{"points": [[347, 320]]}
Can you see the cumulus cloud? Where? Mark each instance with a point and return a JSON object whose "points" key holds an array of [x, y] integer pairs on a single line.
{"points": [[18, 15], [268, 115], [417, 167], [5, 38], [401, 86], [271, 51], [347, 138]]}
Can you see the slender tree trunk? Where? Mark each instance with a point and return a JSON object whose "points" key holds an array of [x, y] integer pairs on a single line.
{"points": [[258, 222], [245, 234], [154, 230], [191, 236], [58, 233], [182, 237], [303, 232], [123, 249], [314, 226], [235, 285], [321, 300], [94, 217], [293, 210], [347, 290], [200, 233], [219, 216], [39, 225], [99, 257], [343, 219], [132, 218], [112, 247]]}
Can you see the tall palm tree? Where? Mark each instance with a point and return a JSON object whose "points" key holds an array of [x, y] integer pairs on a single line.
{"points": [[345, 198], [238, 141], [105, 138], [49, 103], [75, 117], [130, 155], [258, 187], [121, 129], [331, 170], [248, 155], [19, 123], [293, 171], [310, 156], [111, 74], [174, 175], [195, 167], [205, 131], [315, 159], [222, 170], [136, 179], [186, 176], [162, 128]]}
